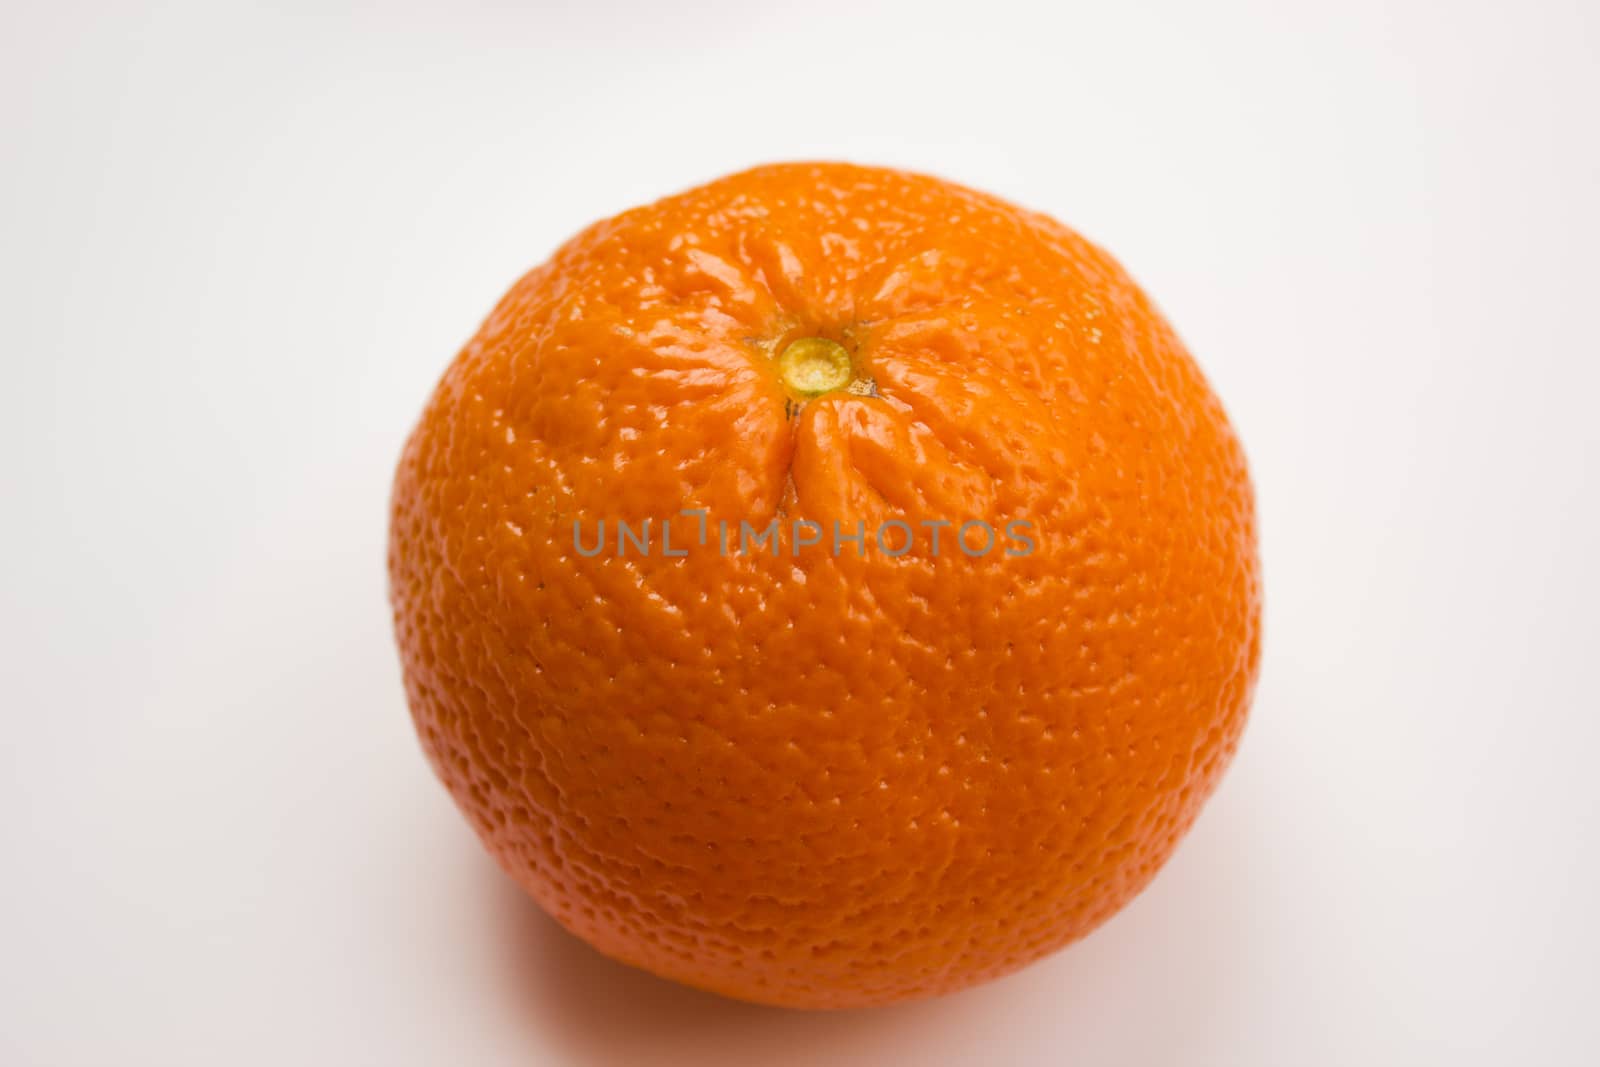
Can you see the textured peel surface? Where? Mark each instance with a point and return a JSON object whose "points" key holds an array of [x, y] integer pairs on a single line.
{"points": [[812, 779]]}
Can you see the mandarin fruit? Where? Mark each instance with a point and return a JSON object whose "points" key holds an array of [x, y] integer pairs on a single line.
{"points": [[827, 586]]}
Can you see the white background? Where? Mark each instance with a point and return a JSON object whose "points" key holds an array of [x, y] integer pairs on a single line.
{"points": [[239, 246]]}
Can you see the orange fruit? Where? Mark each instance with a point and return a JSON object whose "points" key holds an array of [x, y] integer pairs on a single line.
{"points": [[795, 769]]}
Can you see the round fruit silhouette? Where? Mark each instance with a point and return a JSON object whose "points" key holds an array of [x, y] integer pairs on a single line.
{"points": [[827, 586]]}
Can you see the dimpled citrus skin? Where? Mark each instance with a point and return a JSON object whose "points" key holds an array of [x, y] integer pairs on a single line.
{"points": [[819, 780]]}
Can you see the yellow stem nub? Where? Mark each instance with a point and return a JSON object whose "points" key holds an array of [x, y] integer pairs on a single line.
{"points": [[812, 366]]}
